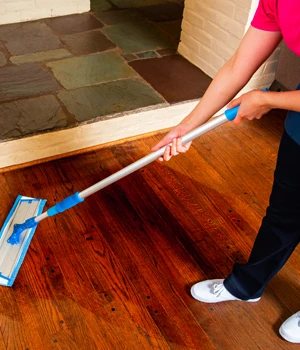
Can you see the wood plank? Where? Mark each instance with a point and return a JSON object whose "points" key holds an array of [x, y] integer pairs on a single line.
{"points": [[115, 271]]}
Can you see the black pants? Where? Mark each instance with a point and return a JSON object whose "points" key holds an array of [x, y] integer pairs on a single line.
{"points": [[279, 233]]}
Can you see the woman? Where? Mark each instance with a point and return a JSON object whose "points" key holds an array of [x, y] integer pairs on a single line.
{"points": [[279, 233]]}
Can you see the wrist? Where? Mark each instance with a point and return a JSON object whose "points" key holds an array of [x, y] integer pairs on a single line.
{"points": [[268, 99]]}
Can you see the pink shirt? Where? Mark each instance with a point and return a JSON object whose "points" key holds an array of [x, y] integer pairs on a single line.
{"points": [[283, 16]]}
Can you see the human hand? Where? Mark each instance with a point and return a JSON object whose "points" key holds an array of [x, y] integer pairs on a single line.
{"points": [[173, 142], [253, 105]]}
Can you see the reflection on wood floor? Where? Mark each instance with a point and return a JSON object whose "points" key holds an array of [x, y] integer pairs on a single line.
{"points": [[115, 271]]}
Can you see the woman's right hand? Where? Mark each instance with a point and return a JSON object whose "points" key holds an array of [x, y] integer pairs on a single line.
{"points": [[174, 142]]}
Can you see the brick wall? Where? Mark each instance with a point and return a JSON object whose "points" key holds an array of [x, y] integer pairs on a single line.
{"points": [[211, 32], [12, 11]]}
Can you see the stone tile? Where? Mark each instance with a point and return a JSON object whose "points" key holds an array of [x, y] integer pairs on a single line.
{"points": [[26, 80], [25, 117], [175, 78], [148, 54], [137, 37], [124, 4], [74, 23], [171, 28], [88, 42], [129, 57], [29, 37], [100, 5], [163, 12], [167, 52], [121, 16], [40, 56], [3, 59], [105, 99], [90, 70]]}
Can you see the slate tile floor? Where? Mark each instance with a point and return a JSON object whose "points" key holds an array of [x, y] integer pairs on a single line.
{"points": [[59, 72]]}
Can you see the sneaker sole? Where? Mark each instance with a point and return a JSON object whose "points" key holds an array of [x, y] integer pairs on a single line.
{"points": [[288, 337], [219, 301]]}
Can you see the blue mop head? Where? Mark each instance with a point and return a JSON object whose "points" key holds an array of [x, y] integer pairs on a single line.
{"points": [[19, 228]]}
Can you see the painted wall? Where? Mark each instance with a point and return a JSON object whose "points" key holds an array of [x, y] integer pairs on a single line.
{"points": [[288, 69], [13, 11], [212, 31]]}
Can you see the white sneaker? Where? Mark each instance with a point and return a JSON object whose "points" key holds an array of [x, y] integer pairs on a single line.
{"points": [[213, 291], [290, 329]]}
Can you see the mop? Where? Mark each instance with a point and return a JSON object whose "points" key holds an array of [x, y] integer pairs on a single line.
{"points": [[27, 213]]}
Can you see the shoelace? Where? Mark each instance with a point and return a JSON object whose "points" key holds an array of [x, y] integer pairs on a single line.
{"points": [[218, 288]]}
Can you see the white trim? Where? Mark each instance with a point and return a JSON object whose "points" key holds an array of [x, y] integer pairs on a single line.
{"points": [[30, 149]]}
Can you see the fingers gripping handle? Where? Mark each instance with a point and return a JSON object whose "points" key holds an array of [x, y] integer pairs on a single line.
{"points": [[232, 113]]}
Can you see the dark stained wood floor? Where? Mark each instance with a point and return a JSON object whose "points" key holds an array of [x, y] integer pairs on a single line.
{"points": [[115, 271]]}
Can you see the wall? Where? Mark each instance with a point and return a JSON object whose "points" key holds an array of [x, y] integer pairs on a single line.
{"points": [[211, 32], [288, 69], [12, 11]]}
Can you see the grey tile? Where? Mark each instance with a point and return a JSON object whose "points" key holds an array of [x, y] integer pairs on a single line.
{"points": [[3, 59], [73, 23], [25, 117], [87, 42], [121, 16], [137, 37], [40, 56], [29, 37], [26, 80], [105, 99], [90, 70]]}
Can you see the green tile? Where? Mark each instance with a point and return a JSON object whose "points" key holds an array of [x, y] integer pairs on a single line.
{"points": [[40, 56], [100, 5], [129, 57], [110, 98], [136, 3], [115, 17], [77, 72], [3, 60], [149, 54], [137, 37]]}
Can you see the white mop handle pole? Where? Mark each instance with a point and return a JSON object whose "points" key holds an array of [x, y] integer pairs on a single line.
{"points": [[152, 157], [78, 197]]}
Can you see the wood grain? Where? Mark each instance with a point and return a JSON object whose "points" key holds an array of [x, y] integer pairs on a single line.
{"points": [[115, 271]]}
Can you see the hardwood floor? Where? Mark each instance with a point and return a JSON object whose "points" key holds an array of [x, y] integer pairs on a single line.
{"points": [[115, 271]]}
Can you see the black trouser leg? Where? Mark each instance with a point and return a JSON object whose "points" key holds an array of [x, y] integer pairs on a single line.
{"points": [[279, 233]]}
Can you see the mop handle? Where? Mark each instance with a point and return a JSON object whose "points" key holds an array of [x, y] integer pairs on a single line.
{"points": [[78, 197]]}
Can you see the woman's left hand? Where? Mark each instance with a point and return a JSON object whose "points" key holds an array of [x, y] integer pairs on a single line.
{"points": [[253, 105]]}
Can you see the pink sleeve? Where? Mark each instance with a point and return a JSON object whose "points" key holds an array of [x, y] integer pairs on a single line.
{"points": [[265, 17]]}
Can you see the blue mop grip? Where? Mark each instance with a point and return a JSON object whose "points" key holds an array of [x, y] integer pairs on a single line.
{"points": [[230, 114], [65, 204]]}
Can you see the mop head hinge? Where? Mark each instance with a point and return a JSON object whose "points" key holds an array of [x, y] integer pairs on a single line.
{"points": [[19, 228]]}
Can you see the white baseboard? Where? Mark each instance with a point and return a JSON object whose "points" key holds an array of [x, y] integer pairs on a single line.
{"points": [[43, 146]]}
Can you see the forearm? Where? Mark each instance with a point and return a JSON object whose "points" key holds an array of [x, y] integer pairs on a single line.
{"points": [[289, 100], [226, 84], [254, 49]]}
